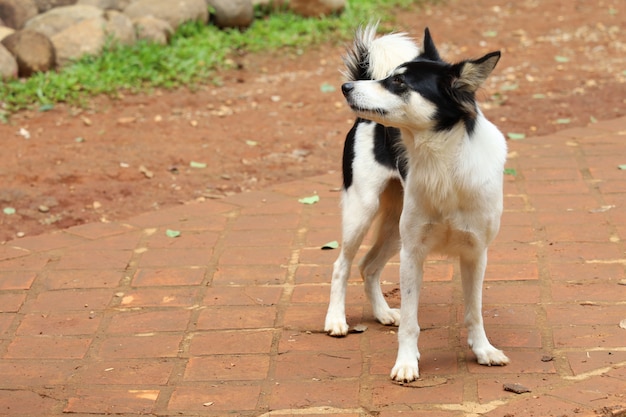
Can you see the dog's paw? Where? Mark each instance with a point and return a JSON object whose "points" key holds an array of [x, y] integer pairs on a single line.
{"points": [[388, 317], [336, 328], [405, 372], [491, 357]]}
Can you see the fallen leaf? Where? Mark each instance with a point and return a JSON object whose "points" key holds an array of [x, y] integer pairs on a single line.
{"points": [[593, 119], [622, 167], [539, 96], [172, 233], [46, 107], [602, 209], [9, 211], [126, 120], [359, 328], [252, 142], [622, 324], [310, 200], [490, 33], [330, 245], [194, 164], [561, 58], [516, 136], [327, 88], [146, 172], [563, 121], [510, 171]]}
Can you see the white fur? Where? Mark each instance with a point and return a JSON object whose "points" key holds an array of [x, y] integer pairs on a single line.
{"points": [[451, 203]]}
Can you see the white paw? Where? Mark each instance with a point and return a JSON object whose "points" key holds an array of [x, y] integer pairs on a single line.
{"points": [[336, 327], [405, 372], [491, 356], [388, 317]]}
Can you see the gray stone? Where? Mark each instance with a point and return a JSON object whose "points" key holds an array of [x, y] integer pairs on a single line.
{"points": [[120, 27], [317, 8], [173, 12], [58, 19], [45, 5], [33, 51], [84, 38], [232, 13], [119, 5], [8, 64], [14, 13], [5, 31], [152, 29]]}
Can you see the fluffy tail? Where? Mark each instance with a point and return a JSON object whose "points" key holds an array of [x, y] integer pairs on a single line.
{"points": [[372, 58]]}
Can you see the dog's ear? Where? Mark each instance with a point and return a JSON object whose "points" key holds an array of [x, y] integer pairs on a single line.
{"points": [[430, 50], [472, 74]]}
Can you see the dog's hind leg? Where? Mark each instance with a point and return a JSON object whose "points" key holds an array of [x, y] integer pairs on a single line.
{"points": [[358, 212], [386, 244], [472, 275]]}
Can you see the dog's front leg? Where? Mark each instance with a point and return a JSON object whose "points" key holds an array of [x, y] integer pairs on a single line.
{"points": [[472, 275], [406, 368]]}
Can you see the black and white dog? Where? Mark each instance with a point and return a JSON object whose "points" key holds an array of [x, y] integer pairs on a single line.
{"points": [[424, 163]]}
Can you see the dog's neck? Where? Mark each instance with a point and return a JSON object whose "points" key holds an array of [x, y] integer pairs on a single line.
{"points": [[431, 147]]}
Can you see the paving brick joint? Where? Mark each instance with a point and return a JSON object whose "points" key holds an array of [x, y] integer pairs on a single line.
{"points": [[226, 319]]}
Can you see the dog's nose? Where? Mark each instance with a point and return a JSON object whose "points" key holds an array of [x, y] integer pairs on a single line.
{"points": [[346, 88]]}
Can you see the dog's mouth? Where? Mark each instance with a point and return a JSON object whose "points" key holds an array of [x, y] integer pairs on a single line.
{"points": [[367, 111]]}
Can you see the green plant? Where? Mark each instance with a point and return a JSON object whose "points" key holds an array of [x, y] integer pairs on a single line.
{"points": [[194, 54]]}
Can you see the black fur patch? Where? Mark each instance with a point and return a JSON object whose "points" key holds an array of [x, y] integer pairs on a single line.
{"points": [[389, 149], [348, 155]]}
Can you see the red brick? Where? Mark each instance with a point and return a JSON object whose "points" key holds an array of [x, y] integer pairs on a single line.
{"points": [[315, 274], [599, 290], [169, 276], [5, 322], [160, 297], [319, 365], [59, 280], [580, 272], [214, 398], [142, 346], [16, 402], [277, 255], [21, 280], [300, 394], [45, 347], [588, 336], [47, 242], [443, 391], [311, 317], [126, 241], [83, 300], [143, 321], [11, 302], [511, 253], [589, 360], [491, 389], [285, 221], [64, 323], [34, 262], [95, 259], [124, 372], [187, 239], [164, 258], [260, 238], [597, 389], [227, 368], [302, 342], [242, 317], [241, 296], [231, 342], [38, 372], [442, 361], [112, 401], [577, 314], [526, 361], [252, 275], [99, 230]]}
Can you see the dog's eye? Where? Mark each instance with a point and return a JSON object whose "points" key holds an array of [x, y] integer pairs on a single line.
{"points": [[398, 80]]}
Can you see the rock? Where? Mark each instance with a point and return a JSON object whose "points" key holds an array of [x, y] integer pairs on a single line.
{"points": [[8, 64], [33, 51], [120, 27], [152, 29], [14, 13], [162, 9], [232, 13], [316, 8], [45, 5], [118, 5], [5, 31], [84, 38], [60, 18]]}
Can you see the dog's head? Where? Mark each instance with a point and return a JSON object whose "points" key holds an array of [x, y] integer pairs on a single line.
{"points": [[426, 93]]}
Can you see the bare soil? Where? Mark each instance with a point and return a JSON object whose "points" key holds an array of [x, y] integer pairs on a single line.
{"points": [[281, 116]]}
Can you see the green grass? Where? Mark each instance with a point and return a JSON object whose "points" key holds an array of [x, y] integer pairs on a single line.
{"points": [[195, 54]]}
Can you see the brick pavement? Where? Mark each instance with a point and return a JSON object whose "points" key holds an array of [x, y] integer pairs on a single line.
{"points": [[226, 319]]}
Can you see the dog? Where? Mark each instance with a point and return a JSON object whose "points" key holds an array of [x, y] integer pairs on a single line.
{"points": [[423, 168]]}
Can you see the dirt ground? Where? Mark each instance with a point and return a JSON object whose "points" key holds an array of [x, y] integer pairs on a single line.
{"points": [[281, 116]]}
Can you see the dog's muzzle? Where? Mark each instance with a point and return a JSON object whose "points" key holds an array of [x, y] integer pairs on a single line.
{"points": [[346, 88]]}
